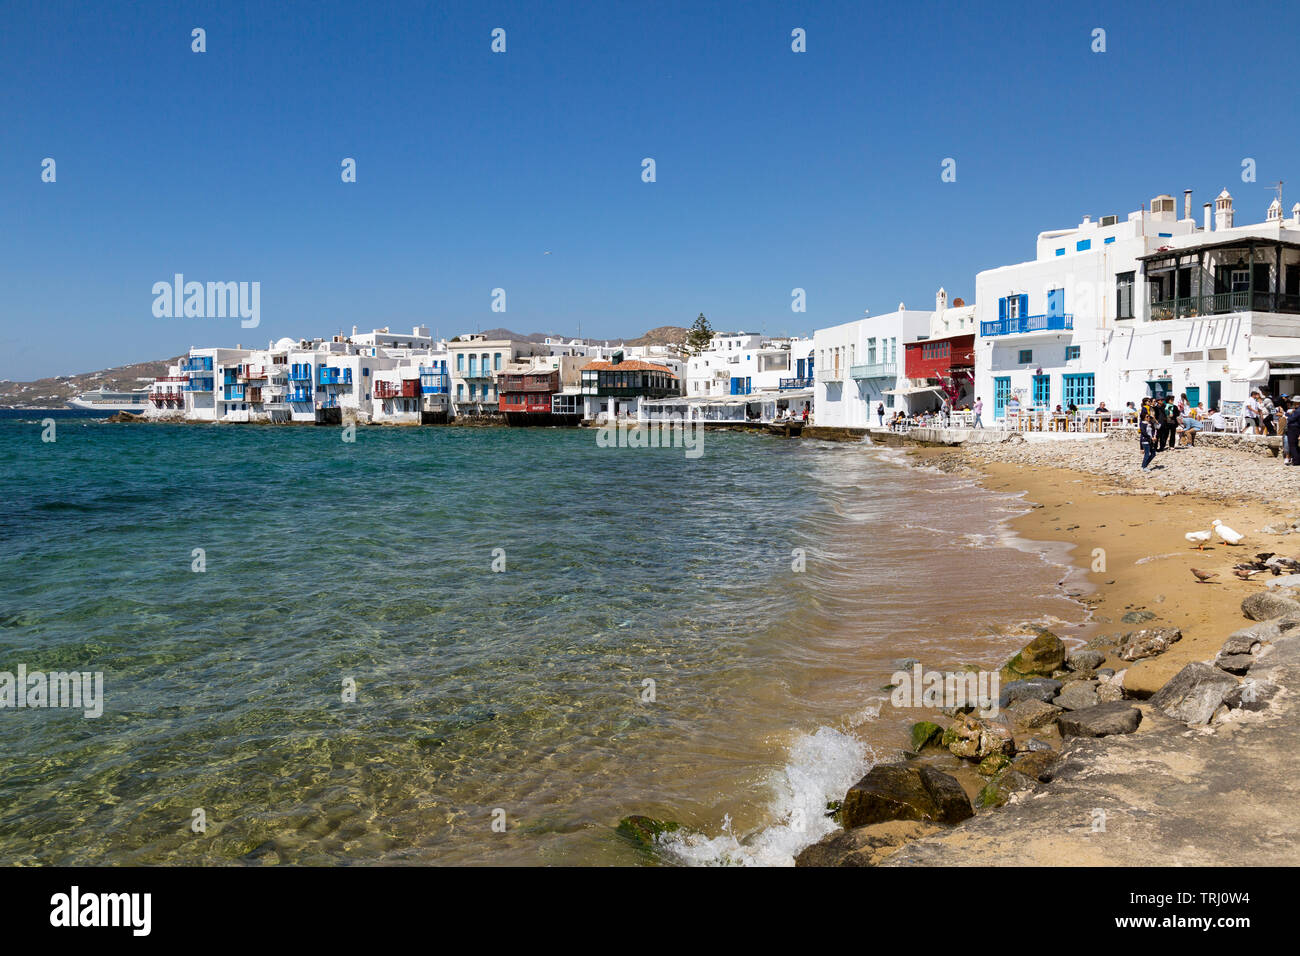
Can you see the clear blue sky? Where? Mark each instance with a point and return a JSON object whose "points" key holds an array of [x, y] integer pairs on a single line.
{"points": [[819, 170]]}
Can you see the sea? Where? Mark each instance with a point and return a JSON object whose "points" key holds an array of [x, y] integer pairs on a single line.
{"points": [[474, 646]]}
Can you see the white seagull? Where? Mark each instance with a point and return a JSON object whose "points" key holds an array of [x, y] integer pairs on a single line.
{"points": [[1199, 538], [1227, 534]]}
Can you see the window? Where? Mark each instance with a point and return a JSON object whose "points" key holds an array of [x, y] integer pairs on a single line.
{"points": [[1071, 352], [1001, 394], [1083, 245], [1124, 295], [1026, 356], [460, 361], [1166, 347], [871, 351], [1108, 240], [1079, 390], [1042, 389], [1061, 251], [497, 362]]}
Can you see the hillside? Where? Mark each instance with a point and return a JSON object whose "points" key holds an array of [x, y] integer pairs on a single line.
{"points": [[55, 392]]}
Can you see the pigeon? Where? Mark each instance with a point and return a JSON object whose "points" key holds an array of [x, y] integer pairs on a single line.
{"points": [[1243, 574], [1203, 576]]}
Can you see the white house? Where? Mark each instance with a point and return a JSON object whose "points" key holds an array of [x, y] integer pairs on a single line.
{"points": [[860, 365]]}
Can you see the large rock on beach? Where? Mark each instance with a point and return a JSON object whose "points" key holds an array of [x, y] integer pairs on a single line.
{"points": [[999, 790], [904, 792], [1194, 693], [1251, 694], [975, 739], [1267, 605], [1039, 658], [1077, 695], [925, 732], [1085, 659], [1031, 713], [1036, 688], [1148, 642], [863, 846], [1100, 721]]}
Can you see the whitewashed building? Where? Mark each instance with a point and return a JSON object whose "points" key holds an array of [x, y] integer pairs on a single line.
{"points": [[859, 365]]}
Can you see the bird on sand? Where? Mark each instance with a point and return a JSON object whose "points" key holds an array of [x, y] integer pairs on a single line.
{"points": [[1226, 534], [1199, 538], [1244, 574], [1203, 576]]}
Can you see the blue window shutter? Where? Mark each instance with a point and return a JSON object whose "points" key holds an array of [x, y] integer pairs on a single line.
{"points": [[1002, 307], [1024, 305]]}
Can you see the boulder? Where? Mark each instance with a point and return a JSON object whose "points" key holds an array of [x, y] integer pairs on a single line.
{"points": [[904, 792], [1240, 642], [1038, 764], [862, 846], [1266, 605], [1040, 657], [1032, 745], [1037, 688], [1148, 642], [925, 732], [1193, 694], [1032, 713], [1108, 692], [992, 765], [1077, 695], [1085, 660], [999, 790], [1251, 694], [1235, 663], [970, 737], [1137, 617], [1100, 721], [1075, 676]]}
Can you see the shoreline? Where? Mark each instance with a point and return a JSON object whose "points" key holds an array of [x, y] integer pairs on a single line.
{"points": [[1131, 568]]}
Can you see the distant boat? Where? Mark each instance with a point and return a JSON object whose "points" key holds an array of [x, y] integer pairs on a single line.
{"points": [[102, 400]]}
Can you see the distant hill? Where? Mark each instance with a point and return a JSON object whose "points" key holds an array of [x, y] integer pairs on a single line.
{"points": [[54, 392]]}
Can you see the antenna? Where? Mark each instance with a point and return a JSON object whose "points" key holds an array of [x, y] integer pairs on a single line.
{"points": [[1278, 187]]}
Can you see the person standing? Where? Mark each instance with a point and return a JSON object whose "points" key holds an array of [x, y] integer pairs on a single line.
{"points": [[880, 412], [1252, 413], [1293, 430], [1268, 412], [1147, 439], [979, 412], [1159, 423]]}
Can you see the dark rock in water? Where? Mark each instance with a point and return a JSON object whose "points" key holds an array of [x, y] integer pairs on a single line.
{"points": [[1032, 713], [1077, 695], [1235, 663], [1100, 721], [1137, 617], [1038, 764], [1251, 694], [1148, 642], [905, 663], [1039, 658], [898, 792], [1194, 693], [117, 417], [1037, 688], [999, 790], [863, 846], [645, 831], [1085, 660], [1265, 606], [925, 732], [264, 853]]}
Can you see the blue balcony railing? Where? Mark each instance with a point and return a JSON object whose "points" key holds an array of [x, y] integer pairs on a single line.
{"points": [[298, 395], [201, 364], [805, 381], [198, 385], [300, 376], [1023, 324], [233, 393]]}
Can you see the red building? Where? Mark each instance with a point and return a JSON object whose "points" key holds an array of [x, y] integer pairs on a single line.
{"points": [[525, 398], [948, 363]]}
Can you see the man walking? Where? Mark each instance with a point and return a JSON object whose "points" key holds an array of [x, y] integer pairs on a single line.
{"points": [[979, 412], [880, 412], [1147, 439], [1293, 430]]}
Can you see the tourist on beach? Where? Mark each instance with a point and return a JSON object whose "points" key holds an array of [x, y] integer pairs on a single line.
{"points": [[1293, 430], [1173, 417], [1254, 412], [1159, 422], [1147, 439], [979, 412], [805, 413], [1268, 412], [1190, 425], [880, 412]]}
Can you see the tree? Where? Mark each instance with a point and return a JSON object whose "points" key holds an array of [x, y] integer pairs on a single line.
{"points": [[699, 336]]}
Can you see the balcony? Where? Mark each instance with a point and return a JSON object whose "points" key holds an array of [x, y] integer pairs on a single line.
{"points": [[198, 385], [874, 370], [299, 395], [1223, 303], [300, 375], [1025, 324], [829, 375], [786, 384], [203, 364]]}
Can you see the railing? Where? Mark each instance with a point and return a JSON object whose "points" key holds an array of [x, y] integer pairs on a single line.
{"points": [[1222, 303], [300, 376], [874, 370], [829, 375], [788, 383], [1022, 324], [197, 365], [298, 396], [173, 378], [387, 390], [198, 385]]}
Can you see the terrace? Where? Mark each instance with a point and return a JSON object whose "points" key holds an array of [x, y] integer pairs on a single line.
{"points": [[1219, 278], [1027, 324], [874, 370]]}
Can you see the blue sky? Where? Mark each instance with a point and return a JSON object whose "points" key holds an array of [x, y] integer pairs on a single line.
{"points": [[775, 170]]}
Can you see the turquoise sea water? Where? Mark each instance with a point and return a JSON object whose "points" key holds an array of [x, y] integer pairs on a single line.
{"points": [[516, 696]]}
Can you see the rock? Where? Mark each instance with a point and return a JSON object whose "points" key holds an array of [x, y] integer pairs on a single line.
{"points": [[1041, 656], [1085, 660], [1077, 695], [1075, 676], [1032, 745], [1105, 673], [1193, 693], [863, 846], [992, 765], [1101, 642], [1251, 694], [1235, 663], [645, 831], [1285, 581], [1137, 617], [1037, 688], [903, 792], [1032, 713], [905, 663], [999, 790], [1109, 692], [1100, 721], [1148, 642], [1265, 606], [1239, 642], [973, 738], [1038, 764], [925, 732]]}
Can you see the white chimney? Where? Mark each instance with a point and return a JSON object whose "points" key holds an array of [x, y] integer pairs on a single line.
{"points": [[1207, 207], [1223, 211], [1187, 204], [940, 300]]}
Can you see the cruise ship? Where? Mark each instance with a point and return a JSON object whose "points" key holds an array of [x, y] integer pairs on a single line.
{"points": [[103, 400]]}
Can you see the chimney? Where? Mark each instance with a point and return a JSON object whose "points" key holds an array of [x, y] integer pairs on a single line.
{"points": [[940, 300], [1207, 207], [1187, 204], [1223, 211]]}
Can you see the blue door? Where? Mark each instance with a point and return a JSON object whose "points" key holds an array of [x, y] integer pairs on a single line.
{"points": [[1001, 394]]}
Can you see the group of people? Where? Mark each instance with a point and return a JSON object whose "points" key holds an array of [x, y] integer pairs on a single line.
{"points": [[1162, 422]]}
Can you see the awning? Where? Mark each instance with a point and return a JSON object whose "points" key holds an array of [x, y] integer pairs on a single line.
{"points": [[1256, 371], [912, 391]]}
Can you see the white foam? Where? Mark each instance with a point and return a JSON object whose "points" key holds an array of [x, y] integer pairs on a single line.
{"points": [[821, 767]]}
